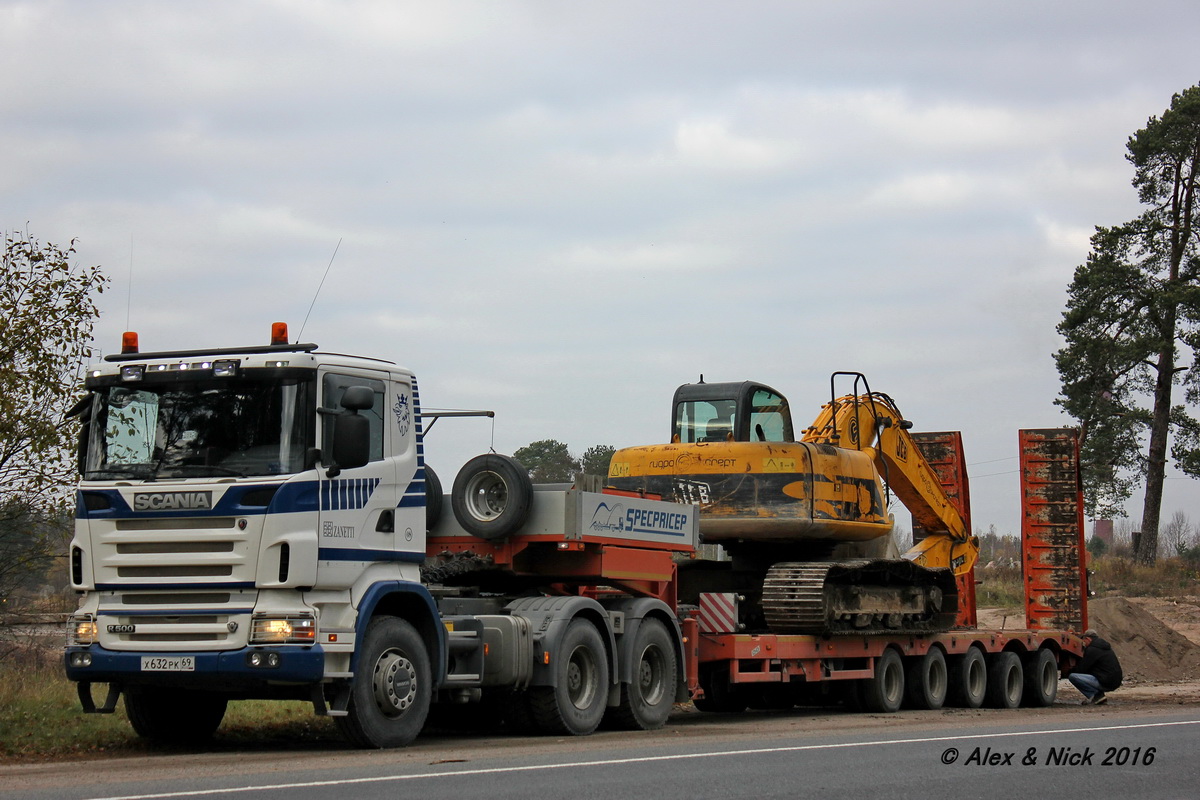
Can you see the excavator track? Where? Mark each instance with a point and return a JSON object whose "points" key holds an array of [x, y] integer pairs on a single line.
{"points": [[858, 597]]}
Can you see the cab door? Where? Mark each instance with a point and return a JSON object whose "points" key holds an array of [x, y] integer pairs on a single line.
{"points": [[355, 506]]}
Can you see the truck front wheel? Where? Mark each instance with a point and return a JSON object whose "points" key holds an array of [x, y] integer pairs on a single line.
{"points": [[646, 701], [575, 704], [391, 689], [174, 716]]}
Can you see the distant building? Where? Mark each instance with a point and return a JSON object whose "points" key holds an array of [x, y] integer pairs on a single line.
{"points": [[1103, 530]]}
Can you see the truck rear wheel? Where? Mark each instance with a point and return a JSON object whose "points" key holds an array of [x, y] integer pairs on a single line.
{"points": [[174, 716], [1041, 679], [575, 704], [968, 679], [491, 496], [1005, 681], [884, 692], [391, 689], [647, 699], [926, 680]]}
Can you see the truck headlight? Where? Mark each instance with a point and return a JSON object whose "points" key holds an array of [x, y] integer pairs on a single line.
{"points": [[82, 631], [291, 629]]}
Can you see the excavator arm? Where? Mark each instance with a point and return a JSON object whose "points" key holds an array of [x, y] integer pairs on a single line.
{"points": [[872, 423]]}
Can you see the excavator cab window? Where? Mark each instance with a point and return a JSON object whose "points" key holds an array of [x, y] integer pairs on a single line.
{"points": [[718, 412], [770, 419], [705, 420]]}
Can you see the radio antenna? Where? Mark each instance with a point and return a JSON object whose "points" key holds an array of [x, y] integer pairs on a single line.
{"points": [[300, 335], [129, 288]]}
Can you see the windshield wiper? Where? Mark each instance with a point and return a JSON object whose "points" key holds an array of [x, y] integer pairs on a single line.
{"points": [[142, 473], [207, 469]]}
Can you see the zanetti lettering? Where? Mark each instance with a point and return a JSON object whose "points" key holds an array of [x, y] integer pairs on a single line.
{"points": [[331, 531], [640, 518], [172, 501]]}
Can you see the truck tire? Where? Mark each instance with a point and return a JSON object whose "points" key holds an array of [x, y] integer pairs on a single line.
{"points": [[1041, 679], [926, 680], [884, 693], [433, 498], [1005, 681], [391, 689], [174, 716], [575, 704], [720, 696], [646, 701], [491, 496], [968, 679]]}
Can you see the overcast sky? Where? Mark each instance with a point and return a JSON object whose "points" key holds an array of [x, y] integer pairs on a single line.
{"points": [[562, 210]]}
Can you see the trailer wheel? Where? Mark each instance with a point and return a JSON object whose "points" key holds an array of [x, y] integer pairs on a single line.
{"points": [[968, 679], [1041, 679], [575, 704], [1005, 681], [647, 699], [491, 496], [720, 696], [392, 687], [174, 716], [926, 680], [884, 692], [433, 498]]}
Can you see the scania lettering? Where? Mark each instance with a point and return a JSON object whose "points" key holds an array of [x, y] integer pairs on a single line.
{"points": [[169, 502], [261, 523]]}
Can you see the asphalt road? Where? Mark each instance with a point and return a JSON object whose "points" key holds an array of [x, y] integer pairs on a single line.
{"points": [[1126, 753]]}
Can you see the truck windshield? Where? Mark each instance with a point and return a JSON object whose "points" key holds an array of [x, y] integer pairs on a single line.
{"points": [[211, 427]]}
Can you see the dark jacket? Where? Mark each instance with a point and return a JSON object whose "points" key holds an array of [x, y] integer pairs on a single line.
{"points": [[1100, 661]]}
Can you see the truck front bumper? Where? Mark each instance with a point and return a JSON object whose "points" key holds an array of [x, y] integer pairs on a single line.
{"points": [[227, 670]]}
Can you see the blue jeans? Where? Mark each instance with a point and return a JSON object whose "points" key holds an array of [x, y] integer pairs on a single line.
{"points": [[1086, 684]]}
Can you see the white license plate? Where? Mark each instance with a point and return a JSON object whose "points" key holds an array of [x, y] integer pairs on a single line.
{"points": [[168, 664]]}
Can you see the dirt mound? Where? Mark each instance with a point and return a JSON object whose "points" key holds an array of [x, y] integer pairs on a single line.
{"points": [[1147, 648]]}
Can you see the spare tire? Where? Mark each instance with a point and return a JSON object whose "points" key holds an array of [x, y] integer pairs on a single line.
{"points": [[491, 496], [433, 498]]}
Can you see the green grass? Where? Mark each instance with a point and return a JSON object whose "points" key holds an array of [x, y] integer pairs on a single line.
{"points": [[1170, 577], [999, 587], [40, 717]]}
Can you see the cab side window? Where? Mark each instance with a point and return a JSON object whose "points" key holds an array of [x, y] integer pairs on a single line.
{"points": [[769, 417], [332, 389]]}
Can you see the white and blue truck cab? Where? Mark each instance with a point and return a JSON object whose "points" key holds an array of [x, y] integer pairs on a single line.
{"points": [[254, 523]]}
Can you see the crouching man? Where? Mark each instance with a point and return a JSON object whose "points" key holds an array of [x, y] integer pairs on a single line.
{"points": [[1098, 672]]}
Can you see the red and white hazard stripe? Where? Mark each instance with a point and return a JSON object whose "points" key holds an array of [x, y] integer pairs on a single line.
{"points": [[718, 612]]}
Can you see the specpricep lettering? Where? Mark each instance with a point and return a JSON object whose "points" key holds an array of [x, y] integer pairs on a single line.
{"points": [[640, 518]]}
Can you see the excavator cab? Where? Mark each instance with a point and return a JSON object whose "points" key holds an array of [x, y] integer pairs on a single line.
{"points": [[730, 412]]}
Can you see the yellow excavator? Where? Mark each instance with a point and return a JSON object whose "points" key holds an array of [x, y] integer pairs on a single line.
{"points": [[805, 522]]}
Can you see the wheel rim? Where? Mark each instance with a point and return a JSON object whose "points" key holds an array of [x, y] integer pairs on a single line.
{"points": [[1012, 682], [1049, 677], [651, 669], [394, 682], [892, 680], [582, 683], [938, 680], [486, 495], [976, 678]]}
